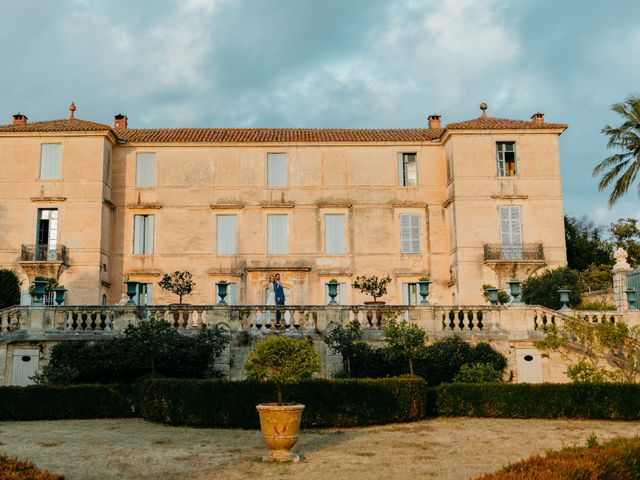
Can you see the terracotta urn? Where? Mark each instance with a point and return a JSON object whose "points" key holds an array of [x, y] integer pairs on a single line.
{"points": [[280, 425], [378, 312]]}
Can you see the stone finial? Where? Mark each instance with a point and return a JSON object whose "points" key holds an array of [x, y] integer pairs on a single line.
{"points": [[72, 109], [621, 260], [483, 107]]}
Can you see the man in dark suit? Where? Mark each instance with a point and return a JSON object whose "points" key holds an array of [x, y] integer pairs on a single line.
{"points": [[279, 291]]}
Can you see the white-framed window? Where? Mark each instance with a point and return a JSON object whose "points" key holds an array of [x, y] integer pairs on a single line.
{"points": [[145, 170], [50, 160], [410, 233], [277, 234], [226, 234], [341, 299], [47, 235], [144, 294], [277, 170], [506, 159], [334, 243], [407, 170], [409, 293], [511, 232], [143, 233], [230, 299]]}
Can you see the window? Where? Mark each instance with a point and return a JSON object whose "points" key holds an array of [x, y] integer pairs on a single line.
{"points": [[50, 155], [510, 232], [144, 294], [143, 228], [341, 299], [277, 234], [231, 294], [409, 233], [334, 234], [145, 170], [409, 293], [226, 235], [506, 156], [106, 166], [407, 170], [47, 235], [277, 169]]}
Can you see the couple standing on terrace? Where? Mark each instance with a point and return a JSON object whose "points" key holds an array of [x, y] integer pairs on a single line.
{"points": [[275, 293]]}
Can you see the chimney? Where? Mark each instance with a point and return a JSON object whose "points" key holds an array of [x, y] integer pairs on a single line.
{"points": [[20, 119], [120, 122], [434, 121], [538, 118]]}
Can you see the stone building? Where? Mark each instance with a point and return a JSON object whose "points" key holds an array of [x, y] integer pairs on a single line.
{"points": [[470, 203]]}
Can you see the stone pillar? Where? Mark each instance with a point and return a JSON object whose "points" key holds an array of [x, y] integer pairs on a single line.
{"points": [[620, 271]]}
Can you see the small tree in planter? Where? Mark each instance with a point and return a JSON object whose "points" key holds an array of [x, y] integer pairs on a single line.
{"points": [[178, 282], [405, 340], [372, 285], [281, 360]]}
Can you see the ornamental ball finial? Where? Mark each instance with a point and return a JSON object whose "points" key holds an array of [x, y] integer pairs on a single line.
{"points": [[72, 109]]}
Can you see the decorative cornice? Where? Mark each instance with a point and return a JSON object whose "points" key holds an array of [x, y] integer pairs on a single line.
{"points": [[144, 206], [277, 205], [48, 199], [226, 206], [509, 196]]}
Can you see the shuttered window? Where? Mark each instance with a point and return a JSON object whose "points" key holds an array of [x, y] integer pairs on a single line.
{"points": [[143, 232], [277, 169], [409, 293], [226, 235], [407, 170], [410, 233], [146, 170], [50, 159], [510, 232], [277, 234], [334, 234]]}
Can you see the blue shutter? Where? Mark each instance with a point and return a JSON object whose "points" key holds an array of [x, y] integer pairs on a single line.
{"points": [[334, 234], [146, 169], [50, 155], [226, 235], [277, 234], [277, 169]]}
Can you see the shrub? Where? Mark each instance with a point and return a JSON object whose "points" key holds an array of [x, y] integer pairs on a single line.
{"points": [[282, 360], [14, 469], [595, 277], [543, 289], [477, 373], [373, 362], [9, 288], [342, 340], [404, 341], [53, 402], [328, 403], [503, 297], [372, 285], [179, 283], [594, 306]]}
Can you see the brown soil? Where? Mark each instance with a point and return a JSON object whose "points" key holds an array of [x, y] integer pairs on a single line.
{"points": [[457, 448]]}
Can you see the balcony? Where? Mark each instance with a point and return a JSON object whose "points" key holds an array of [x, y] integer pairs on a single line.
{"points": [[43, 260], [514, 253]]}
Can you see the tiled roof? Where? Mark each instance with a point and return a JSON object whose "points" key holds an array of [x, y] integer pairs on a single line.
{"points": [[275, 135], [65, 125], [491, 123]]}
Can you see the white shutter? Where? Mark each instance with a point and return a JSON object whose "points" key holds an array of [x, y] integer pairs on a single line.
{"points": [[400, 171], [149, 230], [138, 234], [410, 233], [226, 235], [145, 169], [405, 294], [277, 169], [277, 234], [500, 159], [510, 232], [415, 233], [334, 234], [50, 155]]}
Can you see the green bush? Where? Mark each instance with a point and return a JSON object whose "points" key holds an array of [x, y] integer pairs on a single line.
{"points": [[477, 373], [9, 288], [620, 401], [55, 402], [373, 362], [543, 289], [328, 403]]}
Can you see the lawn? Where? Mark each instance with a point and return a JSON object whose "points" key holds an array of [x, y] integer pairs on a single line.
{"points": [[447, 448]]}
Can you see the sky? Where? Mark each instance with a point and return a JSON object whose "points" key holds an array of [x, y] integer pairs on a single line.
{"points": [[332, 64]]}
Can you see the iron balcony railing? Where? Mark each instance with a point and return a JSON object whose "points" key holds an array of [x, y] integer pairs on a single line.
{"points": [[498, 252], [44, 253]]}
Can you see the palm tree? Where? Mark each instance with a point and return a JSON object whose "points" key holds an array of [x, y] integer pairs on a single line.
{"points": [[621, 169]]}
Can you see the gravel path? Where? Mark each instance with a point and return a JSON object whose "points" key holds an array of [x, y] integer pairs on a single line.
{"points": [[444, 448]]}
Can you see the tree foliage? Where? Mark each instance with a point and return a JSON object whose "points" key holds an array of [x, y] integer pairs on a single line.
{"points": [[478, 373], [586, 243], [596, 351], [179, 282], [626, 234], [405, 340], [9, 288], [543, 289], [341, 339], [595, 277], [282, 360], [621, 168], [372, 285], [503, 297]]}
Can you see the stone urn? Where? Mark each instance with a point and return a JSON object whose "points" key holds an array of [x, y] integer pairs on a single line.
{"points": [[280, 425]]}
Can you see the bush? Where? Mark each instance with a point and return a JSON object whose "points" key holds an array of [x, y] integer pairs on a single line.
{"points": [[594, 306], [543, 289], [616, 459], [9, 288], [503, 297], [477, 373], [14, 469], [619, 401], [373, 362], [53, 402], [328, 403]]}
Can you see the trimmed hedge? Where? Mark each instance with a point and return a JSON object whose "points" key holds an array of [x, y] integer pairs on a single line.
{"points": [[616, 460], [614, 401], [329, 403], [14, 469], [58, 402]]}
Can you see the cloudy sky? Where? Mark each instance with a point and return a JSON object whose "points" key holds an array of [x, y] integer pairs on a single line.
{"points": [[331, 63]]}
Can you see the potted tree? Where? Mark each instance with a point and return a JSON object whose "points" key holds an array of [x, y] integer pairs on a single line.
{"points": [[281, 360], [180, 283], [376, 287]]}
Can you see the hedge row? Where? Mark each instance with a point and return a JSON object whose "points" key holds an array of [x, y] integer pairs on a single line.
{"points": [[57, 402], [329, 403], [14, 469], [571, 400], [618, 459]]}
